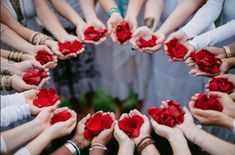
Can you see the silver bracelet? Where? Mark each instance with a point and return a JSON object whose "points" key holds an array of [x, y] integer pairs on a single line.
{"points": [[71, 148], [75, 146]]}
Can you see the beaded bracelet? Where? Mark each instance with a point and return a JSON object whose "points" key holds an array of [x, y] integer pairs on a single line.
{"points": [[6, 82], [112, 10]]}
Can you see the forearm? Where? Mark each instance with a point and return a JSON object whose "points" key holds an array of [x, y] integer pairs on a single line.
{"points": [[7, 35], [10, 21], [66, 11], [37, 145], [150, 149], [4, 53], [183, 11], [49, 19], [134, 8], [62, 150], [88, 8], [154, 9], [208, 142], [21, 134], [106, 5], [97, 152], [125, 150], [6, 67], [179, 145]]}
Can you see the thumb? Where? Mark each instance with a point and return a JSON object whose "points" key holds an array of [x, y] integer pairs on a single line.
{"points": [[217, 94], [84, 120], [37, 65]]}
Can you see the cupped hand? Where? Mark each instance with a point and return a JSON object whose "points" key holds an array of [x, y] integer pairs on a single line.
{"points": [[120, 136], [145, 128], [106, 135], [79, 135], [114, 20]]}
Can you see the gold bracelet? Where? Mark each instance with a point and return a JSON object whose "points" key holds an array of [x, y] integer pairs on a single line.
{"points": [[227, 51], [6, 82], [19, 57], [10, 55], [149, 22], [32, 36], [39, 39]]}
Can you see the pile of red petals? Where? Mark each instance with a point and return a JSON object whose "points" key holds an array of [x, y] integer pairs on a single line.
{"points": [[95, 35], [142, 43], [61, 117], [176, 49], [123, 32], [131, 125], [97, 123], [221, 85], [34, 77], [205, 102], [43, 57], [206, 61], [69, 47], [169, 116], [46, 97]]}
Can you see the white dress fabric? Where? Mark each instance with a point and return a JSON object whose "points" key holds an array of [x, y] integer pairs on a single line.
{"points": [[120, 69], [12, 114], [11, 100]]}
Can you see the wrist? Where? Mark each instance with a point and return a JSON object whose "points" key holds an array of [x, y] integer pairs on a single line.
{"points": [[228, 123], [80, 141], [190, 131], [140, 138], [39, 126], [176, 137]]}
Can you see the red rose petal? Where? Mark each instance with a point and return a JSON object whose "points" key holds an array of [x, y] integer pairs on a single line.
{"points": [[123, 32], [221, 85], [142, 43], [170, 116], [61, 117], [97, 123], [176, 49], [34, 77], [69, 47], [205, 102], [206, 61], [131, 125], [46, 97], [95, 35], [43, 57]]}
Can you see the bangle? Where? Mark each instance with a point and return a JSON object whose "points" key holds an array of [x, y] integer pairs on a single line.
{"points": [[38, 38], [227, 51], [98, 146], [148, 137], [15, 56], [71, 148], [2, 82], [76, 147], [149, 22], [144, 145], [112, 10]]}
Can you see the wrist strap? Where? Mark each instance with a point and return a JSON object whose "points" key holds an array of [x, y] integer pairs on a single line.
{"points": [[227, 51], [112, 10]]}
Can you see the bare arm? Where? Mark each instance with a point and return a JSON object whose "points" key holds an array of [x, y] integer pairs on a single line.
{"points": [[134, 7], [49, 19], [179, 15], [21, 134], [66, 11], [107, 4], [7, 35]]}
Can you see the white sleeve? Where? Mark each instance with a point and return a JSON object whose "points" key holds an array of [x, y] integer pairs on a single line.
{"points": [[3, 145], [13, 113], [13, 99], [214, 36], [205, 16], [22, 151]]}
